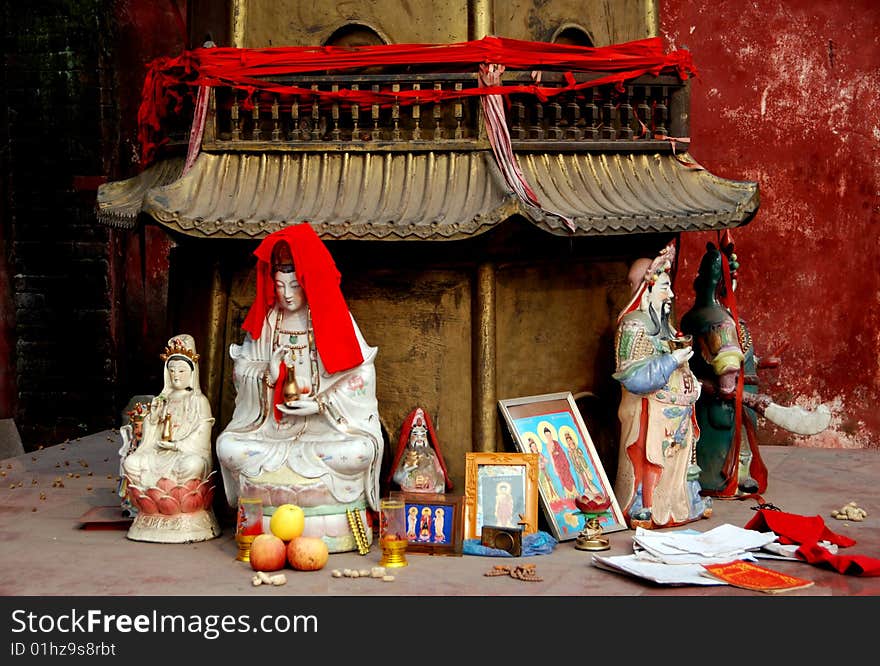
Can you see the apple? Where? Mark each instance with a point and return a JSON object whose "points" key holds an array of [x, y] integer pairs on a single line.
{"points": [[268, 553], [306, 553], [287, 522]]}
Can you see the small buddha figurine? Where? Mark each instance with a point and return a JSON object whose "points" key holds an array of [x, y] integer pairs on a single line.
{"points": [[169, 475], [418, 466]]}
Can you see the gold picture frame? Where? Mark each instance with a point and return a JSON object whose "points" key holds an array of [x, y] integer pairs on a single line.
{"points": [[557, 418], [501, 489]]}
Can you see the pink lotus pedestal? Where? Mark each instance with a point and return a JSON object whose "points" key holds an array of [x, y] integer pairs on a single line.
{"points": [[174, 513]]}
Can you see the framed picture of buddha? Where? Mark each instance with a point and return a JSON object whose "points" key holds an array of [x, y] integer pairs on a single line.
{"points": [[501, 489], [433, 522], [572, 483]]}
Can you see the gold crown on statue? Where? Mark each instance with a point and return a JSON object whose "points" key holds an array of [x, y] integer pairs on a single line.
{"points": [[179, 347]]}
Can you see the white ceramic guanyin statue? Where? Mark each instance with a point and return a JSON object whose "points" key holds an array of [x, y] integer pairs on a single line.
{"points": [[305, 429], [169, 476]]}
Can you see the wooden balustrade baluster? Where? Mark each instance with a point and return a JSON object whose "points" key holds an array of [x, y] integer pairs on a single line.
{"points": [[211, 121], [661, 111], [459, 113], [608, 131], [317, 134], [335, 134], [573, 111], [437, 113], [591, 117], [517, 118], [536, 129], [644, 114], [416, 116], [395, 113], [256, 130], [554, 120], [276, 120], [625, 113], [295, 132], [234, 116], [355, 116], [375, 134]]}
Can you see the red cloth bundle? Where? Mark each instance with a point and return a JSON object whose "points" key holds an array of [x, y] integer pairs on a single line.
{"points": [[808, 531]]}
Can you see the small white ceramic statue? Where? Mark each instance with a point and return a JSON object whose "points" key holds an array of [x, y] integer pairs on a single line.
{"points": [[418, 465], [168, 476], [305, 429]]}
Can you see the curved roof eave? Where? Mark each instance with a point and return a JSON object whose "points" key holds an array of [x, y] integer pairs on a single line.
{"points": [[430, 195]]}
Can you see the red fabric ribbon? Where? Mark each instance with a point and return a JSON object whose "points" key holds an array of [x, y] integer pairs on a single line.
{"points": [[499, 139], [243, 69], [808, 531], [317, 274]]}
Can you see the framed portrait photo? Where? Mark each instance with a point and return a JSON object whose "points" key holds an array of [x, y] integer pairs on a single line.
{"points": [[433, 522], [501, 489], [569, 468]]}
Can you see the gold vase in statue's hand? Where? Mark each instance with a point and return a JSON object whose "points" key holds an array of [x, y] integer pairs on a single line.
{"points": [[290, 389], [166, 428]]}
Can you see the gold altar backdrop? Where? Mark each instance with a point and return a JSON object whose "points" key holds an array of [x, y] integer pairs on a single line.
{"points": [[549, 310], [471, 294]]}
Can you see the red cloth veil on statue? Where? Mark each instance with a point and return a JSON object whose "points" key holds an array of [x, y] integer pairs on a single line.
{"points": [[316, 272], [416, 415]]}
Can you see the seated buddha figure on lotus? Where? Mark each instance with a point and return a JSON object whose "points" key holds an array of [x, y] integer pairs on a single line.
{"points": [[168, 477], [305, 429]]}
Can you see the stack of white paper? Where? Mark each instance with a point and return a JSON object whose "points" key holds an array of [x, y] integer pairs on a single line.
{"points": [[677, 557], [665, 574], [721, 544]]}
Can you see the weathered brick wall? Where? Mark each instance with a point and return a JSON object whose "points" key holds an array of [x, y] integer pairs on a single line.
{"points": [[58, 110]]}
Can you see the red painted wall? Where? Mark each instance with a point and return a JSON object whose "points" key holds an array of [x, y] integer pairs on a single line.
{"points": [[787, 97], [145, 30]]}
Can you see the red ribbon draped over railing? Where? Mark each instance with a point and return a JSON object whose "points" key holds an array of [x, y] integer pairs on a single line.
{"points": [[245, 69]]}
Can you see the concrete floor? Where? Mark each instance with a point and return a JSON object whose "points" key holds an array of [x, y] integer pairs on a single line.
{"points": [[45, 552]]}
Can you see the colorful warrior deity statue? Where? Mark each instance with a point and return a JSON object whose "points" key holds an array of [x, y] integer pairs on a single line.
{"points": [[727, 366], [657, 474]]}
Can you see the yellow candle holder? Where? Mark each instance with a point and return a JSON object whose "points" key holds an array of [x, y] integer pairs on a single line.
{"points": [[393, 553], [392, 533], [249, 524], [244, 547]]}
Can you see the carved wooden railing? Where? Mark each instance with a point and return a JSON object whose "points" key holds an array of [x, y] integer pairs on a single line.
{"points": [[598, 118]]}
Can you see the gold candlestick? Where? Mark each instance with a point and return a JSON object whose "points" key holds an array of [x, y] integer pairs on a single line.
{"points": [[393, 552], [249, 524], [244, 547], [392, 532]]}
